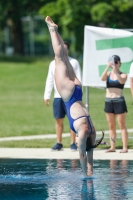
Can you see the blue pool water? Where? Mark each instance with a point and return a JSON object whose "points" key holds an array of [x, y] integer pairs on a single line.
{"points": [[36, 179]]}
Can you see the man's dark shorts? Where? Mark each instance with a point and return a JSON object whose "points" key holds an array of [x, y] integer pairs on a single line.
{"points": [[59, 109], [115, 105]]}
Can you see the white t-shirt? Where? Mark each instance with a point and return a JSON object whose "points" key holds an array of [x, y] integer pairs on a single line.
{"points": [[50, 83], [131, 70]]}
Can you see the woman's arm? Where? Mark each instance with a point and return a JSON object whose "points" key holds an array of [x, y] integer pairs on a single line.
{"points": [[105, 73], [121, 78]]}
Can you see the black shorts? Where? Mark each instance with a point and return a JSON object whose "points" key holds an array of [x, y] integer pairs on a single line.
{"points": [[59, 109], [115, 105]]}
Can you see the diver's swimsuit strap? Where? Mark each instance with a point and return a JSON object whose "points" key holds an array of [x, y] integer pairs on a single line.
{"points": [[88, 121]]}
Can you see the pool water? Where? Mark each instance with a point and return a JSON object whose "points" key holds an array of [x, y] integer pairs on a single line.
{"points": [[40, 179]]}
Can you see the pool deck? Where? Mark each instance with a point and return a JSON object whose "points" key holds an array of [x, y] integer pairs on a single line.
{"points": [[47, 153], [66, 153]]}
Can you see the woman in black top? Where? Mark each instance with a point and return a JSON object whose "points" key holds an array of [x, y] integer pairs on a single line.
{"points": [[115, 105]]}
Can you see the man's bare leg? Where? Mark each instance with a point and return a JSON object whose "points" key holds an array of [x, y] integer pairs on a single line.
{"points": [[59, 129], [73, 137]]}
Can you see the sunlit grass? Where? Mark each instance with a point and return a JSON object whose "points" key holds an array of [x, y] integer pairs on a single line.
{"points": [[49, 143], [22, 109]]}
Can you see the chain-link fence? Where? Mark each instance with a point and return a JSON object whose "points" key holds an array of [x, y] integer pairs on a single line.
{"points": [[36, 39]]}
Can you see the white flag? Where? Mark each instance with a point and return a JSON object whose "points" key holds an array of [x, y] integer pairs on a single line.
{"points": [[100, 44]]}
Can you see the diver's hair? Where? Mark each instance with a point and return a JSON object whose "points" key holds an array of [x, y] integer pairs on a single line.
{"points": [[89, 143]]}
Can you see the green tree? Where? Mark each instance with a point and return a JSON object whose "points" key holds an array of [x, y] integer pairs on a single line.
{"points": [[11, 13], [114, 12], [72, 16]]}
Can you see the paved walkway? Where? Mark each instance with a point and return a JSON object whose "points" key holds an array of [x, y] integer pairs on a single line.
{"points": [[47, 153]]}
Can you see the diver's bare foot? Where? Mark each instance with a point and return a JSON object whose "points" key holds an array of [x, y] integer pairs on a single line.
{"points": [[110, 150], [50, 23]]}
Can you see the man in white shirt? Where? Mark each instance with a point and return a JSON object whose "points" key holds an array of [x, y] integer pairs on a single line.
{"points": [[131, 78], [59, 110]]}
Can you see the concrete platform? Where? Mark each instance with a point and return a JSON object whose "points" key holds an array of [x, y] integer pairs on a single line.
{"points": [[47, 153]]}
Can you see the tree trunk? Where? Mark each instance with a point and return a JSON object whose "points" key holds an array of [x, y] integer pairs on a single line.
{"points": [[17, 38]]}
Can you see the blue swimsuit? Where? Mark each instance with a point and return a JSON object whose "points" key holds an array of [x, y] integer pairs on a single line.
{"points": [[76, 96]]}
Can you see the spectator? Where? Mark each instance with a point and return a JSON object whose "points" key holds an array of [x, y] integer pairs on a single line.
{"points": [[115, 105]]}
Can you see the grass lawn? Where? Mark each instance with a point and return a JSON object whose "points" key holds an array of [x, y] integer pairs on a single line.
{"points": [[21, 98], [22, 108], [49, 143]]}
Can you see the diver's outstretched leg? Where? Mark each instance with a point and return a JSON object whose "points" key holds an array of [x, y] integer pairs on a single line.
{"points": [[64, 73], [57, 42]]}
